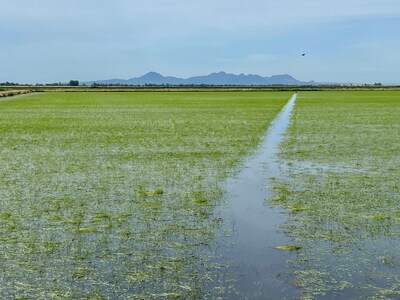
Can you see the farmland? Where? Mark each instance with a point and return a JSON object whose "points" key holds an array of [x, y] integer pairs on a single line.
{"points": [[110, 194], [342, 194]]}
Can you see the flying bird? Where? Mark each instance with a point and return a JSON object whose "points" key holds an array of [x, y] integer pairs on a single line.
{"points": [[303, 54]]}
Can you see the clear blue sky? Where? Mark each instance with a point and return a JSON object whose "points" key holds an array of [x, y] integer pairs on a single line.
{"points": [[58, 40]]}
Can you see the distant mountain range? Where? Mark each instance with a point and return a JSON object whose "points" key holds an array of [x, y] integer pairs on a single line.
{"points": [[220, 78]]}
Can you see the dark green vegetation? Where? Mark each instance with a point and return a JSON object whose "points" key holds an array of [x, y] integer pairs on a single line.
{"points": [[110, 194], [342, 157], [74, 82]]}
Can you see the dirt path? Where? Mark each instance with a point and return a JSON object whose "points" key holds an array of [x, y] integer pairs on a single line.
{"points": [[11, 98]]}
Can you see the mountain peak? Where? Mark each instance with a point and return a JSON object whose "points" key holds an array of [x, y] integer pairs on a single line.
{"points": [[152, 75]]}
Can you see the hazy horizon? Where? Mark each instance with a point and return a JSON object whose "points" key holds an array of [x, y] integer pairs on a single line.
{"points": [[344, 41]]}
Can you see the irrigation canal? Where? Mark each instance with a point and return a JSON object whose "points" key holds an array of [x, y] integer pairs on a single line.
{"points": [[259, 271]]}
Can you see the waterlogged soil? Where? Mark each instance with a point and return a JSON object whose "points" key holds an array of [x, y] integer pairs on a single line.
{"points": [[113, 195], [342, 194]]}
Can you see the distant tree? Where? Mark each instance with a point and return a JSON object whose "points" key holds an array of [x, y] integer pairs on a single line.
{"points": [[73, 82]]}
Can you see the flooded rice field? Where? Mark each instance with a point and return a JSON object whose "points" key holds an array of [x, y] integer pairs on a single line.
{"points": [[342, 160], [212, 195], [112, 195]]}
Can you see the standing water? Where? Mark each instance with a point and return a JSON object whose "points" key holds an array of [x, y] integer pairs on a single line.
{"points": [[259, 270]]}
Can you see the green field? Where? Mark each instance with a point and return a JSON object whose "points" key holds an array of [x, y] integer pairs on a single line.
{"points": [[342, 193], [110, 194], [107, 195]]}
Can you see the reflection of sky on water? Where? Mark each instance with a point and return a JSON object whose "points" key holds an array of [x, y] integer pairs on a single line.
{"points": [[259, 269]]}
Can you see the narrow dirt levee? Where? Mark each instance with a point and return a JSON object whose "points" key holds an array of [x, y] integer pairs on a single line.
{"points": [[259, 270], [14, 97]]}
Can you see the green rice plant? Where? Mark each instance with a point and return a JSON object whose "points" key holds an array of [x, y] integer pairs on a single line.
{"points": [[342, 160], [110, 195]]}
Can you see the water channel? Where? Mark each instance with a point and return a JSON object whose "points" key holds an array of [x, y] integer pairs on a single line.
{"points": [[259, 271]]}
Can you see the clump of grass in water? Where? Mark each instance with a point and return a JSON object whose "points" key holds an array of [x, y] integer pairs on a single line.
{"points": [[288, 247], [80, 273], [379, 217], [199, 197], [143, 192]]}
